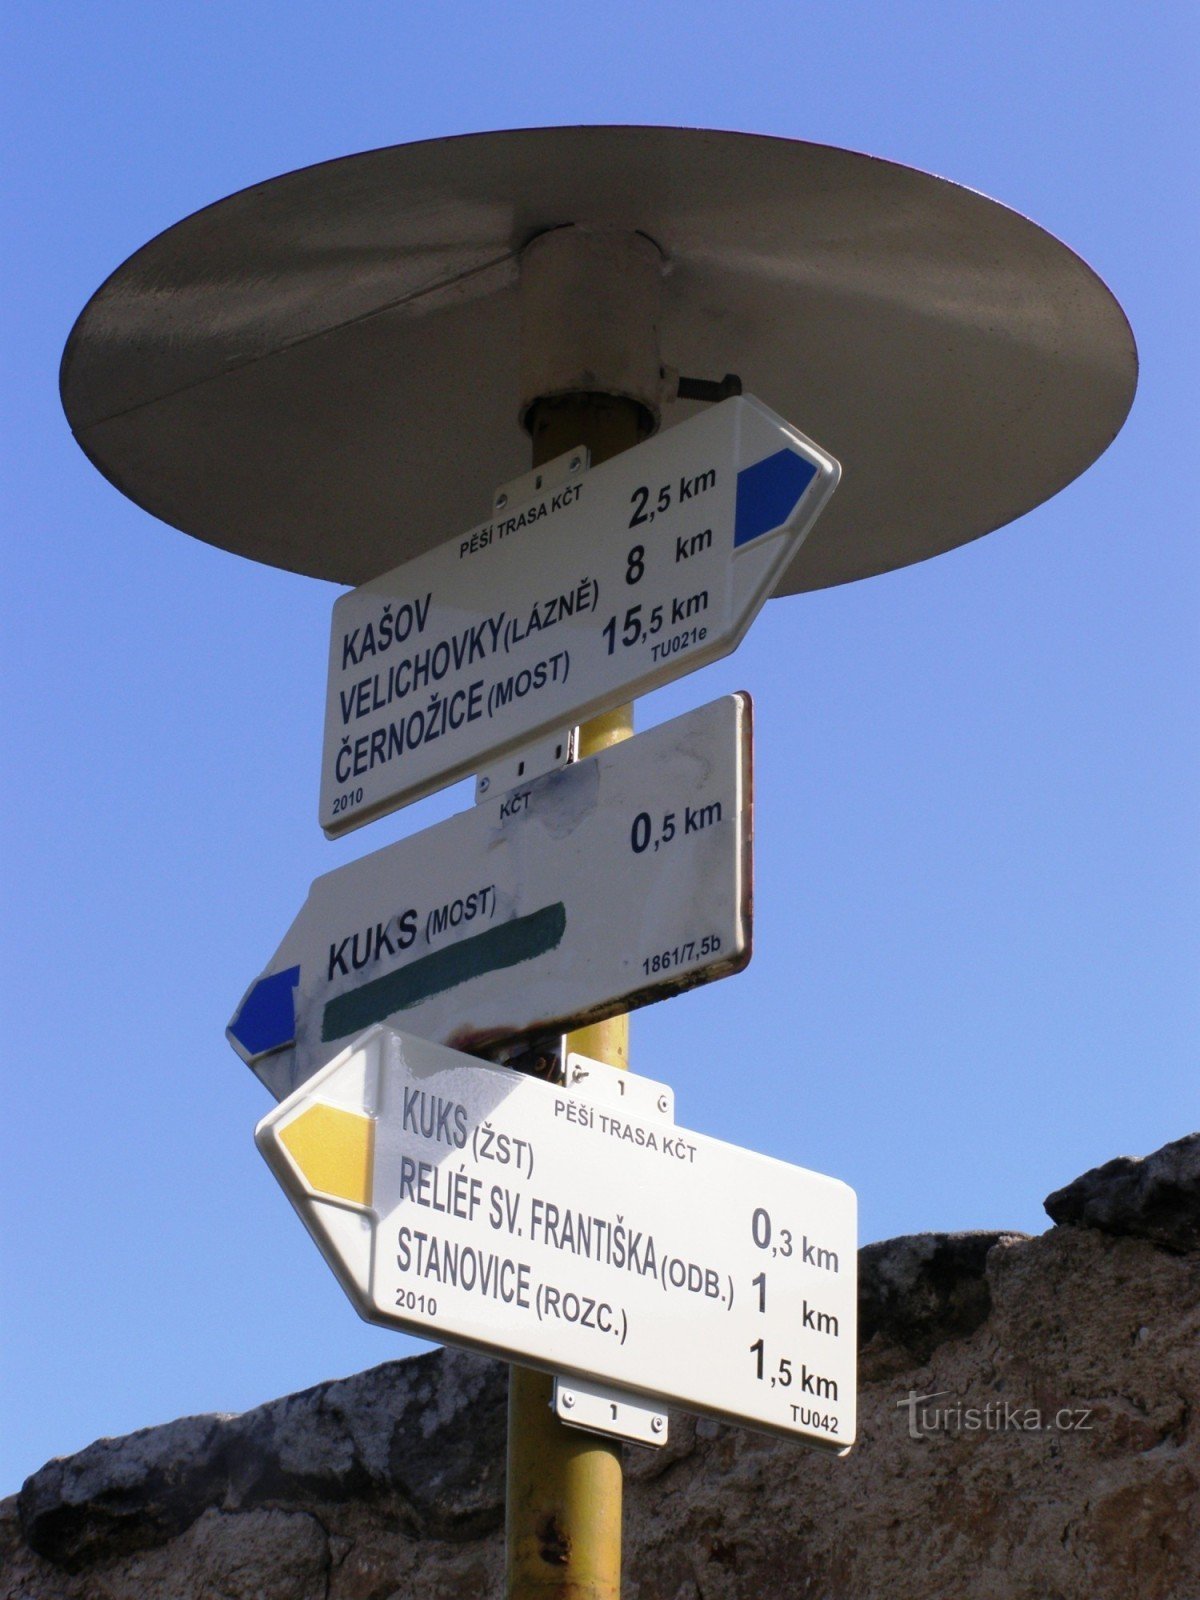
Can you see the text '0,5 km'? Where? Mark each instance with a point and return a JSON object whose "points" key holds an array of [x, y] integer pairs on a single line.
{"points": [[635, 573], [476, 1205], [613, 882]]}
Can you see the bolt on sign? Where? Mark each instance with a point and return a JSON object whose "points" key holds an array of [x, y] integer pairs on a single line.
{"points": [[615, 881], [472, 1204], [632, 574]]}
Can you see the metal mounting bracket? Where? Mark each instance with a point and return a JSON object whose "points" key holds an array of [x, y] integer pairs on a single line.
{"points": [[594, 1407], [530, 761], [551, 475], [596, 1080]]}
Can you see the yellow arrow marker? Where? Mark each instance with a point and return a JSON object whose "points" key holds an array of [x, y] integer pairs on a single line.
{"points": [[335, 1151]]}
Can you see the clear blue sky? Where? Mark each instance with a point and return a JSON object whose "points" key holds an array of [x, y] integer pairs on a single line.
{"points": [[976, 940]]}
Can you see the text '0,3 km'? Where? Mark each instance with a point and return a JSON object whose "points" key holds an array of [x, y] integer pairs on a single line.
{"points": [[633, 574]]}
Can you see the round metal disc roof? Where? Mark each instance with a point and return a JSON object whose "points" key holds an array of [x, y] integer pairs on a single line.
{"points": [[321, 371]]}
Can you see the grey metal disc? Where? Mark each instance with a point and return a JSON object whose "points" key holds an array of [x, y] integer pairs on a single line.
{"points": [[321, 371]]}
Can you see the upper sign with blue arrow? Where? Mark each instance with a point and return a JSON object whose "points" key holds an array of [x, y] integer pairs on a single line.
{"points": [[582, 590]]}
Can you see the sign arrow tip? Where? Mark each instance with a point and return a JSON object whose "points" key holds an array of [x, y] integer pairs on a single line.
{"points": [[266, 1018], [769, 492]]}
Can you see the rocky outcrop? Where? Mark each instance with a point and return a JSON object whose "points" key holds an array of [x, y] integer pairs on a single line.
{"points": [[419, 1441], [1148, 1197], [1026, 1430], [917, 1292]]}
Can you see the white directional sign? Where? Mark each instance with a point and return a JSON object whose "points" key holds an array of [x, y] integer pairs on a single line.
{"points": [[473, 1204], [629, 575], [612, 882]]}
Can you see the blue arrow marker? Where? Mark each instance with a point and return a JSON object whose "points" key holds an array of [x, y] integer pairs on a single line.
{"points": [[768, 493], [266, 1018]]}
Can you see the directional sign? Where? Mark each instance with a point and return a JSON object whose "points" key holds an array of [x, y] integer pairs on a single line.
{"points": [[474, 1204], [615, 881], [618, 580]]}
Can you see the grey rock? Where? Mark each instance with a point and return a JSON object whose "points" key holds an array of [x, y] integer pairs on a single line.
{"points": [[123, 1495], [1155, 1197], [390, 1483], [426, 1434], [924, 1288]]}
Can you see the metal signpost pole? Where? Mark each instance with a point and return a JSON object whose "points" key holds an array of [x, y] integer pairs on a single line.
{"points": [[564, 1491]]}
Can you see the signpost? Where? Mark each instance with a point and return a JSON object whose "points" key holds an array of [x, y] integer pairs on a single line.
{"points": [[599, 588], [613, 882], [326, 372], [468, 1202]]}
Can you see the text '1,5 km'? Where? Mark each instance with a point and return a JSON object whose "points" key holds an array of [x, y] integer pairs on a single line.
{"points": [[470, 1203], [632, 574]]}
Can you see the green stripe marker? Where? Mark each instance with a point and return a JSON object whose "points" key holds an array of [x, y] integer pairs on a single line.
{"points": [[505, 946]]}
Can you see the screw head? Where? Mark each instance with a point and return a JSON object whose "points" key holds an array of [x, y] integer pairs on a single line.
{"points": [[484, 785], [663, 1102], [568, 1400], [501, 501], [657, 1424], [576, 463]]}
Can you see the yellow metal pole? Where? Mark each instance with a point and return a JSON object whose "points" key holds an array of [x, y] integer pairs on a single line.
{"points": [[563, 1501]]}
